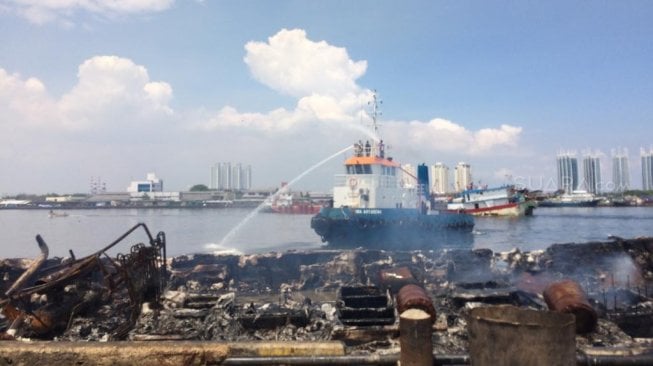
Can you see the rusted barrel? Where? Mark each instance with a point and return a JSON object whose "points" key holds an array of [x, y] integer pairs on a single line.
{"points": [[568, 297], [415, 297], [507, 335]]}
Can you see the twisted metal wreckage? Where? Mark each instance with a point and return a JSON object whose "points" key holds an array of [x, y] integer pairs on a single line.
{"points": [[48, 305]]}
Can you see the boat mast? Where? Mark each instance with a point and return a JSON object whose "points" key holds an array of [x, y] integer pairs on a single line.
{"points": [[375, 112]]}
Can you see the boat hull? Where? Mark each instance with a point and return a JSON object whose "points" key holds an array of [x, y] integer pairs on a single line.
{"points": [[297, 209], [509, 209], [392, 228], [546, 203]]}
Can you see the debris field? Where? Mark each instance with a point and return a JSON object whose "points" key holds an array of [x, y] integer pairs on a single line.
{"points": [[353, 296]]}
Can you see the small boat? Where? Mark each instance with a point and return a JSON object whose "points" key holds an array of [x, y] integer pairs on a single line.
{"points": [[53, 214], [499, 201], [573, 199], [374, 207]]}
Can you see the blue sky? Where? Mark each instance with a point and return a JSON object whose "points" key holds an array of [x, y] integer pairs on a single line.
{"points": [[115, 91]]}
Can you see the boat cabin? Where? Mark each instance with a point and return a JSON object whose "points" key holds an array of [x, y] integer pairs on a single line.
{"points": [[372, 180]]}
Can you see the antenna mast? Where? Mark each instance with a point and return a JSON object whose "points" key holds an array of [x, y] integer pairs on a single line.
{"points": [[375, 111]]}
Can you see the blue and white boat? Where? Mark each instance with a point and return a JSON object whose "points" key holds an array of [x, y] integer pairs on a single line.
{"points": [[573, 199], [374, 207], [499, 201]]}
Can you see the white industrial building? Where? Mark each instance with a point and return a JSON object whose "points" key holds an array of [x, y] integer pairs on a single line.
{"points": [[150, 184]]}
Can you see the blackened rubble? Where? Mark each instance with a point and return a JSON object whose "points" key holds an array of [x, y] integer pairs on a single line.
{"points": [[52, 298], [298, 296]]}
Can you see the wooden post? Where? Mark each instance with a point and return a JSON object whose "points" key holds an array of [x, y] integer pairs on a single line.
{"points": [[415, 338]]}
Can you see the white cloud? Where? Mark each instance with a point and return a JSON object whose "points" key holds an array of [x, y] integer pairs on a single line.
{"points": [[323, 79], [45, 11], [112, 120], [115, 114], [441, 135], [488, 138], [293, 64], [24, 101], [111, 90], [229, 117]]}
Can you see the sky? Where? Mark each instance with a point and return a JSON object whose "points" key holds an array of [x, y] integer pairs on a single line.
{"points": [[92, 89]]}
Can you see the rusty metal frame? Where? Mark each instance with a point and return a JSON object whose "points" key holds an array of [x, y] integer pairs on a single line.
{"points": [[142, 272]]}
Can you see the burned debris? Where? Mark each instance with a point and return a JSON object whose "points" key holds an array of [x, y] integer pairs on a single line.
{"points": [[50, 297], [353, 296]]}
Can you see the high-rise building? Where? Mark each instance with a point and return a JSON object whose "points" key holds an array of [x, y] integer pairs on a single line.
{"points": [[462, 177], [567, 166], [221, 176], [647, 169], [225, 176], [236, 178], [620, 170], [246, 175], [213, 182], [439, 178], [592, 172]]}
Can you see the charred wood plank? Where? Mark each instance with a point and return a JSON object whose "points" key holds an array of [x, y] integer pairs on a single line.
{"points": [[38, 262]]}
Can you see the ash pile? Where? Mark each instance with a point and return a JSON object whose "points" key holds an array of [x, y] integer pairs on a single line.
{"points": [[354, 296]]}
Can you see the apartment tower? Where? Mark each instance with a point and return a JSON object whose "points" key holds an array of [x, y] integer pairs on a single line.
{"points": [[462, 177], [620, 170], [647, 169], [592, 172], [567, 166], [439, 178]]}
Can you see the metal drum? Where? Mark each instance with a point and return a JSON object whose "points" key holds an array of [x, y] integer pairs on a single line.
{"points": [[568, 297], [507, 335]]}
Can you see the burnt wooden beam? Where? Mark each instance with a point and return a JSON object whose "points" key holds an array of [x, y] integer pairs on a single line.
{"points": [[38, 262]]}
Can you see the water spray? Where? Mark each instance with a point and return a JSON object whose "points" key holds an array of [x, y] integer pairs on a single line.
{"points": [[244, 221]]}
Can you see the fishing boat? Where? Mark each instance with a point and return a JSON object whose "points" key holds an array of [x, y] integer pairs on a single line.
{"points": [[573, 199], [499, 201], [53, 214], [375, 206]]}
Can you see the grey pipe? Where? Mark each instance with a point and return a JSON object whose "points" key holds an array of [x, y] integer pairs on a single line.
{"points": [[581, 360], [340, 360]]}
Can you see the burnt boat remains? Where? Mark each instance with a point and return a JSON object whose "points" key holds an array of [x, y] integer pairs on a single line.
{"points": [[352, 296]]}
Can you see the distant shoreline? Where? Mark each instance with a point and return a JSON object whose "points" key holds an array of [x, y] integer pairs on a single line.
{"points": [[187, 205], [150, 205]]}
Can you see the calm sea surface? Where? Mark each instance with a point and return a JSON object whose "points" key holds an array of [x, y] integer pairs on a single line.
{"points": [[202, 230]]}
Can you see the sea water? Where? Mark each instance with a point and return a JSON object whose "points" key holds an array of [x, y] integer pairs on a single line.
{"points": [[191, 231]]}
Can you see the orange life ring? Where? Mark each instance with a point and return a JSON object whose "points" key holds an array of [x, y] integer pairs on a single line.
{"points": [[353, 182]]}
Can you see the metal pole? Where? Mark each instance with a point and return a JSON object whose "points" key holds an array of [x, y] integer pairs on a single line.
{"points": [[381, 360], [605, 360]]}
